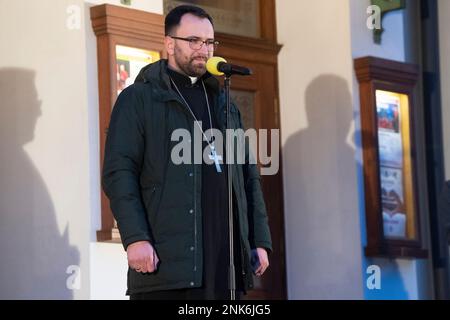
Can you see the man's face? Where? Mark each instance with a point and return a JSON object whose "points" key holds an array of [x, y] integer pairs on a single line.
{"points": [[181, 56]]}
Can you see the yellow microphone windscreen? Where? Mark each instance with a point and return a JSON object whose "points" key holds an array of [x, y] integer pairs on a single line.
{"points": [[212, 63]]}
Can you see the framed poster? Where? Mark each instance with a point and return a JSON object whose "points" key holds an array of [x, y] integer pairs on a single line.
{"points": [[129, 61], [396, 172], [389, 162]]}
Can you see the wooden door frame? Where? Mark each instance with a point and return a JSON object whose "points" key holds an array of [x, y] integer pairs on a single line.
{"points": [[261, 56]]}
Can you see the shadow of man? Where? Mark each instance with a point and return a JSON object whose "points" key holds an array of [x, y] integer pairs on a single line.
{"points": [[35, 256], [321, 168]]}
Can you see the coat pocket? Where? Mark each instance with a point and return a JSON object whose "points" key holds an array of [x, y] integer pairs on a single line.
{"points": [[151, 197]]}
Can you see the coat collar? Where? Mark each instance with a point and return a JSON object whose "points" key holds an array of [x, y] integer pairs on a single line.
{"points": [[156, 73]]}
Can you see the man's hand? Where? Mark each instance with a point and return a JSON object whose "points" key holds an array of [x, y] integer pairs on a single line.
{"points": [[142, 257], [263, 261]]}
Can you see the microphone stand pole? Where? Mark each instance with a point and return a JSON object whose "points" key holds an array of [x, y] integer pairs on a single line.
{"points": [[231, 271]]}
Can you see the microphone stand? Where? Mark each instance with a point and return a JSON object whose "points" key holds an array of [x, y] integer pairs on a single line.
{"points": [[219, 66], [231, 271]]}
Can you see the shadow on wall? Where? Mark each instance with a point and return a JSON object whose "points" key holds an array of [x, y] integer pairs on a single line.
{"points": [[35, 256], [323, 210]]}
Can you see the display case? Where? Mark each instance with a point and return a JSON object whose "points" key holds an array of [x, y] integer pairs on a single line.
{"points": [[389, 157]]}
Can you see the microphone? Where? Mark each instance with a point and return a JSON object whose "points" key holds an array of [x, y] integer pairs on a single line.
{"points": [[218, 66]]}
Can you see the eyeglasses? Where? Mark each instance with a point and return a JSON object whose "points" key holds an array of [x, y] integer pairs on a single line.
{"points": [[197, 43]]}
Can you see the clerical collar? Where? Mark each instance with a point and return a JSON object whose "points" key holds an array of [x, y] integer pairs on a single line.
{"points": [[193, 79], [182, 79]]}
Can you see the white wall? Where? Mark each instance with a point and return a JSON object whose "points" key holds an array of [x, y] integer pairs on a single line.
{"points": [[400, 278], [50, 186], [392, 45], [324, 193], [44, 185], [444, 42], [323, 243], [108, 272]]}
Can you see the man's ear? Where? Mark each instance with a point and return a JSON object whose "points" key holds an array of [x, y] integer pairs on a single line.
{"points": [[169, 44]]}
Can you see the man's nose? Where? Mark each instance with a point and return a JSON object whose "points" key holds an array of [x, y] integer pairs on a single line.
{"points": [[204, 49]]}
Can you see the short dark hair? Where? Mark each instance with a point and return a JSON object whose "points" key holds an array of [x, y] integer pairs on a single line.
{"points": [[173, 18]]}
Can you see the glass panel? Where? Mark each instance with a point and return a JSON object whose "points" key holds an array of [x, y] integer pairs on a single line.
{"points": [[238, 17], [394, 141], [129, 62], [245, 100]]}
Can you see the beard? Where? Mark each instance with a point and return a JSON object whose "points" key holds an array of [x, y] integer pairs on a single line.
{"points": [[194, 66]]}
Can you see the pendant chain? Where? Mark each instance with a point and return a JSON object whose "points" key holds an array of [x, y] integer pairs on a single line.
{"points": [[211, 144]]}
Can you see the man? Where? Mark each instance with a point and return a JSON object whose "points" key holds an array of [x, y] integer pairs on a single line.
{"points": [[173, 217]]}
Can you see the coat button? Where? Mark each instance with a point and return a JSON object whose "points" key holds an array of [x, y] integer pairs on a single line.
{"points": [[191, 211], [192, 284], [192, 248], [191, 174]]}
